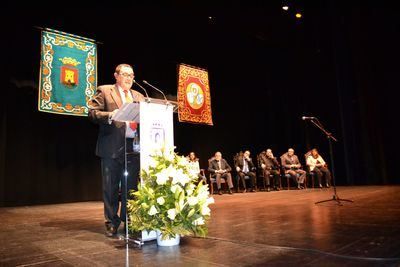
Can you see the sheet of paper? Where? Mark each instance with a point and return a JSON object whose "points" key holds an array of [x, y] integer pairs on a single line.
{"points": [[128, 112]]}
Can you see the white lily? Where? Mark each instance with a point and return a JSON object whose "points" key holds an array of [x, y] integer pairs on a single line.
{"points": [[160, 201], [162, 177], [152, 211], [171, 214], [205, 210], [192, 201]]}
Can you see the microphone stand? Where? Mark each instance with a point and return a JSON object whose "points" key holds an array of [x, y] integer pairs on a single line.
{"points": [[330, 137], [126, 237], [158, 90], [145, 91]]}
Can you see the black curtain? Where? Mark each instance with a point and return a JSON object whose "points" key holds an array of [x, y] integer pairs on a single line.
{"points": [[266, 69]]}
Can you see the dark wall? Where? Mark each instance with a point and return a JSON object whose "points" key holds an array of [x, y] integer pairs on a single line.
{"points": [[266, 69]]}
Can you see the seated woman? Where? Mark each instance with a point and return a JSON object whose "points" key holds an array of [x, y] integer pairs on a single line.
{"points": [[194, 166], [317, 165]]}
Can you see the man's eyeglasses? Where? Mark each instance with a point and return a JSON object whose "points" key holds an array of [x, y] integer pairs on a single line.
{"points": [[126, 75]]}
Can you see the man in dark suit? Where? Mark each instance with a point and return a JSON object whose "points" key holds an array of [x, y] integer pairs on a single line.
{"points": [[270, 167], [245, 167], [221, 169], [292, 166], [111, 144]]}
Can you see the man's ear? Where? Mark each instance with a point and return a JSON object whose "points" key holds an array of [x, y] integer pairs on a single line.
{"points": [[115, 75]]}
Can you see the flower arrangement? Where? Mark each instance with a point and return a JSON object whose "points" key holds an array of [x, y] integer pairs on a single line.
{"points": [[170, 199]]}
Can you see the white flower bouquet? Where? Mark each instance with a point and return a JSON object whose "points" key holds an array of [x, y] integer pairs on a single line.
{"points": [[170, 199]]}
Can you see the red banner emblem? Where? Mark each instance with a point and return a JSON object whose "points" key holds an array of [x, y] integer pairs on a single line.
{"points": [[194, 101]]}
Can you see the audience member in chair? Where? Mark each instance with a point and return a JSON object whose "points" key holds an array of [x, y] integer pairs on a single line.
{"points": [[270, 167], [245, 167], [219, 168], [194, 166], [317, 165], [292, 166]]}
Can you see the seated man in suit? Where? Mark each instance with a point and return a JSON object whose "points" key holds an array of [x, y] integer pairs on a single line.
{"points": [[219, 168], [245, 167], [270, 167], [292, 166], [317, 165]]}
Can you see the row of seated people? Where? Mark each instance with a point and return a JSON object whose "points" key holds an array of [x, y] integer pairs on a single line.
{"points": [[269, 169]]}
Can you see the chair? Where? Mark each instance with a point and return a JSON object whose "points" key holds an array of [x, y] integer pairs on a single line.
{"points": [[213, 180], [202, 171]]}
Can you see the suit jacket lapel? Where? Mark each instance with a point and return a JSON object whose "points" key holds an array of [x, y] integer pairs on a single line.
{"points": [[116, 96]]}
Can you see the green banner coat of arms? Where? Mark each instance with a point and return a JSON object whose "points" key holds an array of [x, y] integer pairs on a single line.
{"points": [[68, 73]]}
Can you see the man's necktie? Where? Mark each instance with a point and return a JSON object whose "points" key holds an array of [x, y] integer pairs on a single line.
{"points": [[128, 97]]}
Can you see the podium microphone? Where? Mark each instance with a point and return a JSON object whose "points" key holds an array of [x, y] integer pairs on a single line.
{"points": [[145, 91], [155, 88], [307, 118]]}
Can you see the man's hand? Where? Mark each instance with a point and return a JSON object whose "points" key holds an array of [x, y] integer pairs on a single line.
{"points": [[237, 169], [112, 114], [263, 166]]}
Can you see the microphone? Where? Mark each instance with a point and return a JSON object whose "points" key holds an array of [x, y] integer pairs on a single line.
{"points": [[147, 96], [307, 118], [152, 86]]}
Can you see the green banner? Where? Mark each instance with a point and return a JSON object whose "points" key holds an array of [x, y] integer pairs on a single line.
{"points": [[68, 73]]}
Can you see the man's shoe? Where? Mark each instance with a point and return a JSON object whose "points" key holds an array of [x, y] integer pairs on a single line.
{"points": [[219, 192], [268, 189], [320, 185], [230, 192], [111, 231], [253, 190], [327, 186], [244, 190], [277, 189]]}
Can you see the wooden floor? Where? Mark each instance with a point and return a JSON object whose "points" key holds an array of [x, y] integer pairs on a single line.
{"points": [[281, 228]]}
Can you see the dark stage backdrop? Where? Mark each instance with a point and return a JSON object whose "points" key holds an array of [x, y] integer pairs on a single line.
{"points": [[266, 68]]}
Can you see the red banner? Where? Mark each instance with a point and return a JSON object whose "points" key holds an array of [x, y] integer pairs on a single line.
{"points": [[194, 100]]}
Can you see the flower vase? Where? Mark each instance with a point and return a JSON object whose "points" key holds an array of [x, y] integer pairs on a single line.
{"points": [[167, 242]]}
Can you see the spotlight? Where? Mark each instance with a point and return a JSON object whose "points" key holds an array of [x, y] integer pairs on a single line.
{"points": [[298, 15], [285, 7]]}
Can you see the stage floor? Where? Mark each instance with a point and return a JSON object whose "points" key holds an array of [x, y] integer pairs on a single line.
{"points": [[282, 228]]}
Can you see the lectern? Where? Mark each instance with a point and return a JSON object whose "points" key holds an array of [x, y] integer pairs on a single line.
{"points": [[156, 131]]}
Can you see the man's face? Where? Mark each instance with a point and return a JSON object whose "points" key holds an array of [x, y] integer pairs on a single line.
{"points": [[269, 153], [218, 156], [125, 78], [291, 152], [247, 154]]}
